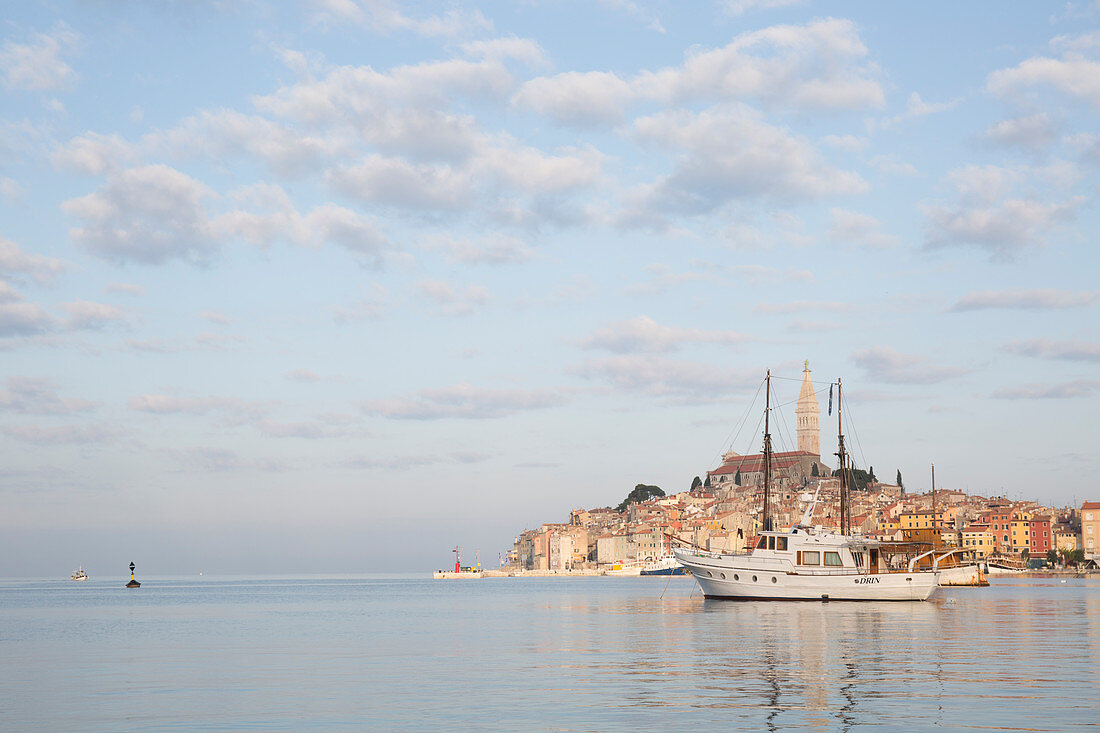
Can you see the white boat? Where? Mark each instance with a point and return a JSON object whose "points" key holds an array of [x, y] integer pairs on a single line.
{"points": [[79, 574], [808, 563]]}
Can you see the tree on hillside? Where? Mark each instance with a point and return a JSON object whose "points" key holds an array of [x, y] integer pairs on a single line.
{"points": [[640, 493], [706, 484], [737, 478], [1052, 557], [814, 472], [696, 483], [899, 483], [857, 478], [871, 475]]}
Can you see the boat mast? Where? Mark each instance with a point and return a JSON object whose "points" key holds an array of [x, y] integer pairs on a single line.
{"points": [[845, 508], [935, 532], [767, 523]]}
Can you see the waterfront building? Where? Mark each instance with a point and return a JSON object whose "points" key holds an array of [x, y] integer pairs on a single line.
{"points": [[977, 542], [1090, 529], [1040, 535]]}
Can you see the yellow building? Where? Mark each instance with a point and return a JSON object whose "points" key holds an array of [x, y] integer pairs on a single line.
{"points": [[977, 543], [1020, 532]]}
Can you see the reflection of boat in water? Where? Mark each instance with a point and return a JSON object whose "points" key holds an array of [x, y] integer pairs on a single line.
{"points": [[808, 562], [664, 566], [79, 574]]}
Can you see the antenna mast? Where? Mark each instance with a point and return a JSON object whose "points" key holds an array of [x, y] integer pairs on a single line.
{"points": [[767, 523]]}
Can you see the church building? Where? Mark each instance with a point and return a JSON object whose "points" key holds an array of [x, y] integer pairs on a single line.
{"points": [[790, 467]]}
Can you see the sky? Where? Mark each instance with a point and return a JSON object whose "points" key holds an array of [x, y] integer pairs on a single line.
{"points": [[337, 286]]}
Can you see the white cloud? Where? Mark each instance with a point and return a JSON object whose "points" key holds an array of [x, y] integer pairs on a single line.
{"points": [[235, 411], [1071, 75], [730, 153], [995, 212], [493, 249], [859, 229], [37, 65], [268, 215], [94, 154], [15, 262], [397, 182], [370, 307], [739, 7], [893, 165], [883, 364], [819, 65], [63, 434], [644, 335], [1063, 391], [149, 215], [454, 301], [1042, 299], [464, 401], [1061, 350], [802, 306], [34, 396], [661, 377], [846, 143], [24, 319], [1031, 132], [125, 288], [86, 315], [384, 17]]}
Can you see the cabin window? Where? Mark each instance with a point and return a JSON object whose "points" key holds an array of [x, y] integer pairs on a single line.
{"points": [[832, 558], [858, 557], [771, 543], [762, 544], [781, 543], [809, 557]]}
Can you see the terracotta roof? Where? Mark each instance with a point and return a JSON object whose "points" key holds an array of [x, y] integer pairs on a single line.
{"points": [[1091, 505]]}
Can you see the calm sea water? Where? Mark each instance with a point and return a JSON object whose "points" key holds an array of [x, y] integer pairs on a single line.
{"points": [[582, 654]]}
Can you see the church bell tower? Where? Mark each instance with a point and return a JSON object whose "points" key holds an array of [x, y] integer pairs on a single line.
{"points": [[807, 412]]}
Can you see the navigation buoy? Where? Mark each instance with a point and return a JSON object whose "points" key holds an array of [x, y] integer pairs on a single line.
{"points": [[133, 581]]}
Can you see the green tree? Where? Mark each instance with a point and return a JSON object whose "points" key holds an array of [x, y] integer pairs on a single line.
{"points": [[640, 493], [857, 478], [706, 484], [1052, 557], [696, 483], [898, 481], [871, 475], [1025, 555], [814, 472], [737, 478]]}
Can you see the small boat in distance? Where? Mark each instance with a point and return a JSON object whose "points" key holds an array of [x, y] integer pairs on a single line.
{"points": [[79, 574], [667, 565]]}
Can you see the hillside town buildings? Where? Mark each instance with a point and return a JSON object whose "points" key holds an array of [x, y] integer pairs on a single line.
{"points": [[723, 515]]}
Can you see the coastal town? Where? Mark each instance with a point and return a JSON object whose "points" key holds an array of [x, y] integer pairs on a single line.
{"points": [[722, 513]]}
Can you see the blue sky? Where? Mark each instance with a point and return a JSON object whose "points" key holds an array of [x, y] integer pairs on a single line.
{"points": [[338, 285]]}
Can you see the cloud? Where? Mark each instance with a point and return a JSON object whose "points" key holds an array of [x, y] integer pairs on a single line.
{"points": [[384, 17], [94, 154], [1066, 390], [1062, 350], [14, 262], [234, 410], [661, 377], [819, 65], [802, 306], [88, 316], [24, 319], [493, 249], [63, 434], [268, 215], [37, 65], [728, 154], [883, 364], [307, 429], [303, 375], [454, 301], [464, 401], [125, 288], [222, 460], [644, 335], [859, 229], [1072, 75], [34, 396], [1032, 132], [148, 215], [370, 307], [416, 461], [397, 182], [991, 213], [846, 143], [739, 7], [1041, 299]]}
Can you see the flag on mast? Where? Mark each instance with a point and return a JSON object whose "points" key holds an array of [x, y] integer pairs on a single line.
{"points": [[830, 399]]}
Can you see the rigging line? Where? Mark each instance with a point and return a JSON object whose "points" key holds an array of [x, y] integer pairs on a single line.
{"points": [[739, 426], [814, 382], [850, 419]]}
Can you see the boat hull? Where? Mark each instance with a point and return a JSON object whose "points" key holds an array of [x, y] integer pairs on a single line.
{"points": [[731, 579], [666, 571]]}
